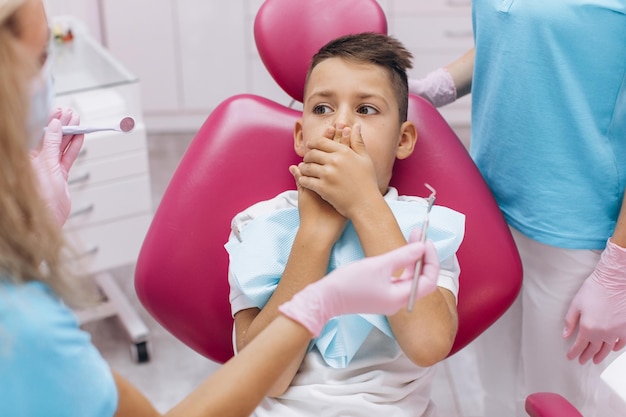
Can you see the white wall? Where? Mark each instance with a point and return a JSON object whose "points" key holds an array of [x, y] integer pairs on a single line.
{"points": [[192, 54]]}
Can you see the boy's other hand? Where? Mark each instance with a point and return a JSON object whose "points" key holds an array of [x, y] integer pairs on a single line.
{"points": [[315, 213]]}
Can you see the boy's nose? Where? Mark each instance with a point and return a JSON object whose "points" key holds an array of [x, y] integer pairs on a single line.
{"points": [[343, 118]]}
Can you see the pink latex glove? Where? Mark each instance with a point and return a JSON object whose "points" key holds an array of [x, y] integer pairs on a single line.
{"points": [[599, 309], [365, 286], [52, 161], [437, 87]]}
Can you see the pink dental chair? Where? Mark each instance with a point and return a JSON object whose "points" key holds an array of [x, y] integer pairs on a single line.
{"points": [[241, 155]]}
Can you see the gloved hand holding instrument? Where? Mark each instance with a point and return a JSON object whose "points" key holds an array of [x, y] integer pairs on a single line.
{"points": [[367, 286]]}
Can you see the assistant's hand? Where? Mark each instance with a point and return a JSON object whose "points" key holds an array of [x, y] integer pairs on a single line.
{"points": [[52, 161], [599, 309], [366, 286], [437, 87]]}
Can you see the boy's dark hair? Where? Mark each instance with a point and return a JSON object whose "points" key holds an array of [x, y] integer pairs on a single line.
{"points": [[373, 48]]}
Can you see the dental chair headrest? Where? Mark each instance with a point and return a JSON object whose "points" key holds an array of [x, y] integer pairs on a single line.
{"points": [[286, 42]]}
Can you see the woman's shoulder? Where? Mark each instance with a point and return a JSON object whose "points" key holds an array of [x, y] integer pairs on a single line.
{"points": [[41, 347], [37, 329], [32, 311]]}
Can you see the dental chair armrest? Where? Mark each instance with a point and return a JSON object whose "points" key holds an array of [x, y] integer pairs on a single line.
{"points": [[548, 404]]}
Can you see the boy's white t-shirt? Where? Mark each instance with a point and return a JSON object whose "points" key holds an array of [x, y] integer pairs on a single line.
{"points": [[380, 381]]}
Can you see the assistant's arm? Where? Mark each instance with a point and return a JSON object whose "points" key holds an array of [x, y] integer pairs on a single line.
{"points": [[237, 387], [446, 84], [462, 71], [366, 286], [619, 234]]}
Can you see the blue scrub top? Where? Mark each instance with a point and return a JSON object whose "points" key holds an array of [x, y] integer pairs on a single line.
{"points": [[549, 115], [48, 365]]}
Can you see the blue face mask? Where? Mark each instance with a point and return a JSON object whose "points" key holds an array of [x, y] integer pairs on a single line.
{"points": [[42, 99]]}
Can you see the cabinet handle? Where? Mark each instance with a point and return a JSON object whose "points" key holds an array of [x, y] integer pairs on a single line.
{"points": [[83, 178], [81, 211], [459, 3], [457, 34]]}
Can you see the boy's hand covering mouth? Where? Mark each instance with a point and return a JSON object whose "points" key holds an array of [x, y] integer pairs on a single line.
{"points": [[339, 133]]}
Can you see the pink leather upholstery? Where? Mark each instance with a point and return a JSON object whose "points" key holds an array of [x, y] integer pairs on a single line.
{"points": [[547, 404], [238, 157], [241, 155]]}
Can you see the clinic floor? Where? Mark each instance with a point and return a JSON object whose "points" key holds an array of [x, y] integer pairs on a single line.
{"points": [[174, 369]]}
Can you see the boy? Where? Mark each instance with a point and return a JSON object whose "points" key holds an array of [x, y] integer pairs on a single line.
{"points": [[353, 127]]}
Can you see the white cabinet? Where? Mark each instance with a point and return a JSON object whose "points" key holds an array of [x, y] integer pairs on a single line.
{"points": [[190, 55], [109, 182], [110, 191]]}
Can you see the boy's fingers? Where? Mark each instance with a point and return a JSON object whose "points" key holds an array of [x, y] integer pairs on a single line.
{"points": [[345, 136], [356, 139], [338, 135]]}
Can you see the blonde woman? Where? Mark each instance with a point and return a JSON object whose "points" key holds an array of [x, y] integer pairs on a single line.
{"points": [[48, 365]]}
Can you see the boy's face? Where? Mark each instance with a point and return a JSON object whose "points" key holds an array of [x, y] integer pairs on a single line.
{"points": [[340, 93]]}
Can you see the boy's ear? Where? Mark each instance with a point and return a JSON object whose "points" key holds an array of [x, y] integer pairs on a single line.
{"points": [[298, 141], [408, 137]]}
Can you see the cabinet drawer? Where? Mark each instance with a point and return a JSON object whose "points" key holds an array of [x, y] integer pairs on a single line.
{"points": [[435, 33], [86, 173], [109, 201], [108, 245], [432, 6]]}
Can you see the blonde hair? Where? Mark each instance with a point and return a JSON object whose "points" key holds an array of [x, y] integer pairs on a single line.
{"points": [[31, 241]]}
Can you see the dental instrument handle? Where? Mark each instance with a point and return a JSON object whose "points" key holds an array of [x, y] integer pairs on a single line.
{"points": [[125, 125], [79, 130], [418, 268]]}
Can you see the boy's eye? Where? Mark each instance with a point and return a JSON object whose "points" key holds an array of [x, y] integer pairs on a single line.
{"points": [[321, 109], [367, 110]]}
